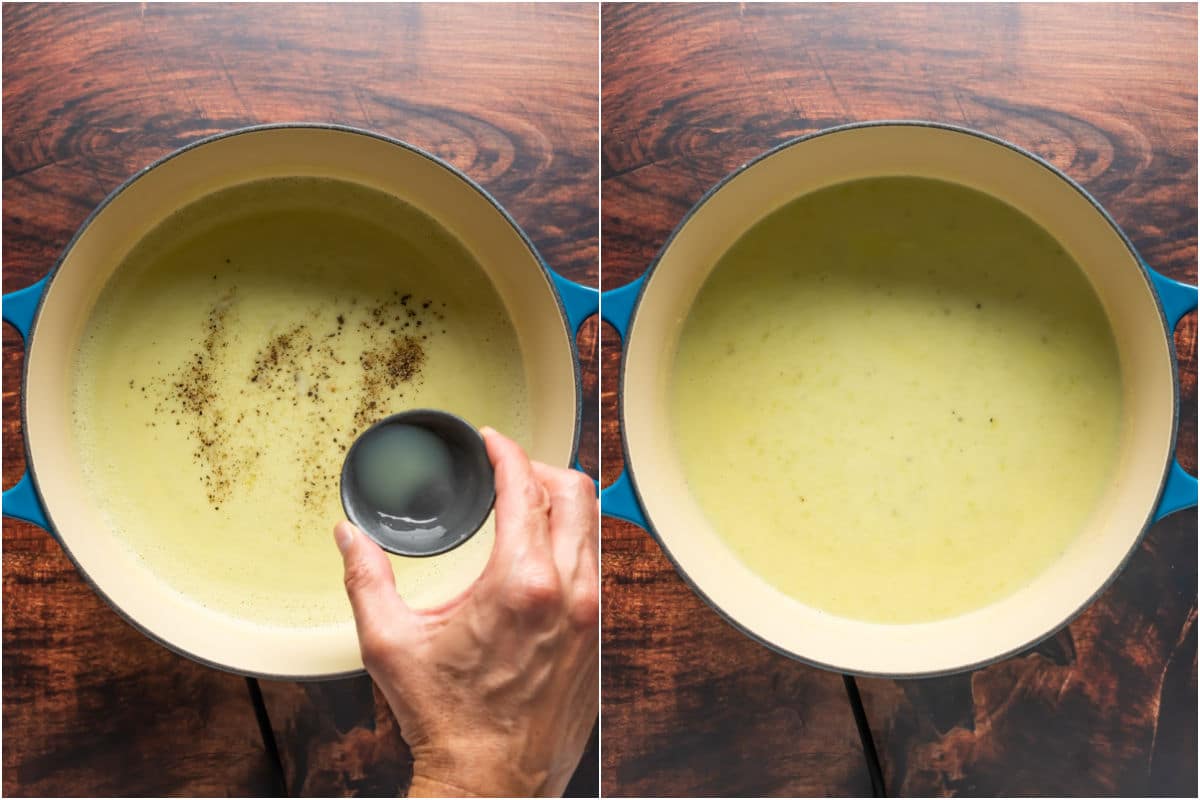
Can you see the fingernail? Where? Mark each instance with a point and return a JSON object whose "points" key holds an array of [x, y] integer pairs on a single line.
{"points": [[343, 534], [486, 431]]}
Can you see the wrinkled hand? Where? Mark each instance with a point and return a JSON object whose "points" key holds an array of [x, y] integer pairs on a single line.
{"points": [[495, 691]]}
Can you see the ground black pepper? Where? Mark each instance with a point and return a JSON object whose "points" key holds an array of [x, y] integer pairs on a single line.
{"points": [[293, 369]]}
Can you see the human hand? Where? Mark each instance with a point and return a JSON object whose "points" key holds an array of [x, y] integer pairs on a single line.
{"points": [[496, 690]]}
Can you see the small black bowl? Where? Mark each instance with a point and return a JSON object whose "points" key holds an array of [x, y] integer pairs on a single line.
{"points": [[446, 502]]}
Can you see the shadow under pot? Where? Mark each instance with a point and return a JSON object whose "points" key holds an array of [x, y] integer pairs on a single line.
{"points": [[216, 334], [898, 399]]}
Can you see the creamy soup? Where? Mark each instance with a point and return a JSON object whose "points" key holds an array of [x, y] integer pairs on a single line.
{"points": [[235, 355], [896, 399]]}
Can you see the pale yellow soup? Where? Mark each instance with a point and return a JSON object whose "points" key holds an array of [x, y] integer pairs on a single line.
{"points": [[234, 356], [896, 399]]}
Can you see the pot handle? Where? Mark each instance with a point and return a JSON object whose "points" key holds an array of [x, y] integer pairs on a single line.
{"points": [[21, 501], [579, 303], [618, 499], [1177, 299]]}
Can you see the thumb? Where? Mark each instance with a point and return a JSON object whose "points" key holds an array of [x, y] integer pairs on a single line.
{"points": [[370, 585]]}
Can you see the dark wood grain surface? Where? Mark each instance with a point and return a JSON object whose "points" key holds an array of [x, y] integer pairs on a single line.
{"points": [[1108, 94], [94, 93]]}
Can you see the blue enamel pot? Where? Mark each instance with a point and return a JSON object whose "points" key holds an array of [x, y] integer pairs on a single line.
{"points": [[1142, 307], [545, 310]]}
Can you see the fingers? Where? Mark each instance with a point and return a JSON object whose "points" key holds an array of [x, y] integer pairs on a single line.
{"points": [[522, 503], [574, 537], [379, 613], [547, 537], [574, 513]]}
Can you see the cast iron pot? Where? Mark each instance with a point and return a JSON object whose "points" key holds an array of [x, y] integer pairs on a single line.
{"points": [[546, 311], [1143, 308]]}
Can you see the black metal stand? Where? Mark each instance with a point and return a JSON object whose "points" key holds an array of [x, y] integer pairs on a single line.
{"points": [[268, 734], [878, 788]]}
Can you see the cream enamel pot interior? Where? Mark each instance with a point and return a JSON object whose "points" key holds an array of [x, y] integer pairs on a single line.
{"points": [[546, 311], [1143, 309]]}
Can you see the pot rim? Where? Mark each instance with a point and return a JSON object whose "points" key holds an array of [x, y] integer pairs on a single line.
{"points": [[52, 273], [910, 123]]}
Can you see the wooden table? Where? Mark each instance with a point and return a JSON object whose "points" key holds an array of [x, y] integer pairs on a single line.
{"points": [[94, 93], [1108, 94]]}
